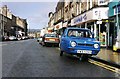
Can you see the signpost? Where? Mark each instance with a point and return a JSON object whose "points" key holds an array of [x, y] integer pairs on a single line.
{"points": [[99, 22]]}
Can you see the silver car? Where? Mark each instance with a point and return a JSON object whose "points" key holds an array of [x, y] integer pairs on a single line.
{"points": [[12, 38]]}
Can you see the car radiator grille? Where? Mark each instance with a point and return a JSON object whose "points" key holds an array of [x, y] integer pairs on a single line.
{"points": [[85, 44]]}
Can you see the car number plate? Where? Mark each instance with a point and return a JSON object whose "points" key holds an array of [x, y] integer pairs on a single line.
{"points": [[51, 39], [84, 51]]}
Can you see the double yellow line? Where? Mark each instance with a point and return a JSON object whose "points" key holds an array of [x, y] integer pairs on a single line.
{"points": [[108, 67]]}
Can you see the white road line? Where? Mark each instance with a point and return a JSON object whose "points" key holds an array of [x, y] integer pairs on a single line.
{"points": [[3, 44]]}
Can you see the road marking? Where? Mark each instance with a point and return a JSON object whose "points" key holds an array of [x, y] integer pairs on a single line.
{"points": [[3, 44], [108, 67]]}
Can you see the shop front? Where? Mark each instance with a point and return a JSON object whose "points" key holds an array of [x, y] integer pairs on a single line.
{"points": [[114, 24], [58, 27], [50, 30], [93, 20]]}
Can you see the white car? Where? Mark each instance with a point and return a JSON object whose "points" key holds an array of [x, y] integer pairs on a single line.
{"points": [[12, 38], [19, 38], [39, 40], [23, 37]]}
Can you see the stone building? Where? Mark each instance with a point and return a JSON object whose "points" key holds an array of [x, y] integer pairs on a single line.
{"points": [[59, 15], [21, 26], [51, 22], [6, 17], [11, 24], [91, 14]]}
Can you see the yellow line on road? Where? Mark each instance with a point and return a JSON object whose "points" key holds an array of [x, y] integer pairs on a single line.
{"points": [[113, 69], [108, 67]]}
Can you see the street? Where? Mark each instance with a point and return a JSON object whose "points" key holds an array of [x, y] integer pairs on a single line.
{"points": [[27, 58]]}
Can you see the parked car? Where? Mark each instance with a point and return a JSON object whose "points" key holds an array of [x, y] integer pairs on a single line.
{"points": [[80, 42], [12, 38], [23, 37], [26, 37], [39, 40], [6, 38], [51, 39], [19, 38]]}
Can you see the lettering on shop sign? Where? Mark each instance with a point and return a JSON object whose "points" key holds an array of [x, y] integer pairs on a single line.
{"points": [[80, 19]]}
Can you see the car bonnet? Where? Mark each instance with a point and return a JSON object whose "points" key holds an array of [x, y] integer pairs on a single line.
{"points": [[83, 40]]}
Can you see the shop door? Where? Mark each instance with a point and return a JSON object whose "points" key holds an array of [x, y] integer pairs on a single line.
{"points": [[112, 34]]}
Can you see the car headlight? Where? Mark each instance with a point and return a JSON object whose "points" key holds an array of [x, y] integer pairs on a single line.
{"points": [[96, 46], [73, 44]]}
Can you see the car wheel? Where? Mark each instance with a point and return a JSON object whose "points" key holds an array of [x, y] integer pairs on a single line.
{"points": [[85, 58], [61, 53], [43, 44]]}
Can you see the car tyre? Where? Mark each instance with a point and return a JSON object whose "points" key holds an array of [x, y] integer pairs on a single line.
{"points": [[43, 44], [85, 58], [61, 53]]}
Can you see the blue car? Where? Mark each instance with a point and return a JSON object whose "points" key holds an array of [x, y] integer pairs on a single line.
{"points": [[80, 42]]}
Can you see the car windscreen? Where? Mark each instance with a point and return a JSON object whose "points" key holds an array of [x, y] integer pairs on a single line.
{"points": [[50, 35], [79, 33]]}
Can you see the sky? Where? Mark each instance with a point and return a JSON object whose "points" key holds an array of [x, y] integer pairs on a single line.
{"points": [[36, 13]]}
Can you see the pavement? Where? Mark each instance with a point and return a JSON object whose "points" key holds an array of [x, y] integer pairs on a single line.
{"points": [[108, 56]]}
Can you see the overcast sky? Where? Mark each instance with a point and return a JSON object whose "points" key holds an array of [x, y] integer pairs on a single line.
{"points": [[36, 13]]}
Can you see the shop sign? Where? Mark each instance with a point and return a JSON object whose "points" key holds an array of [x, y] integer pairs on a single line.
{"points": [[94, 14], [100, 13], [50, 28], [58, 26], [102, 2], [65, 24], [81, 18]]}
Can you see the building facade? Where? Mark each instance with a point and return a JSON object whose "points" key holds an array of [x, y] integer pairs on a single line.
{"points": [[11, 24], [91, 14], [51, 22], [114, 22]]}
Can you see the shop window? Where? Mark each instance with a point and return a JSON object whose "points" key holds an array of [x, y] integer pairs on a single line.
{"points": [[103, 28]]}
